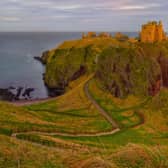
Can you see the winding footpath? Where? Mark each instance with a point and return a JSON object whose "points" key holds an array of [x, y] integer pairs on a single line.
{"points": [[115, 127], [100, 109]]}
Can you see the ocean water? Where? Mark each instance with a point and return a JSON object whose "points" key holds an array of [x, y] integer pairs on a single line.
{"points": [[18, 68]]}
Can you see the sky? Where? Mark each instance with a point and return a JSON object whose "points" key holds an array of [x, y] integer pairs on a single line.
{"points": [[80, 15]]}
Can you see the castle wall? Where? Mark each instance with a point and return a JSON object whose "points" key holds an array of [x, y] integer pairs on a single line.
{"points": [[152, 32]]}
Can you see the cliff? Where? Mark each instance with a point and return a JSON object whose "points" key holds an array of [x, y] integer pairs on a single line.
{"points": [[74, 58], [121, 67], [124, 71]]}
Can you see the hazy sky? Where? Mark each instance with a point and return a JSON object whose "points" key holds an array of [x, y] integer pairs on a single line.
{"points": [[80, 15]]}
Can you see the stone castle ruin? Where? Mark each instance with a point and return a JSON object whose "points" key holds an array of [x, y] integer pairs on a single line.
{"points": [[152, 32]]}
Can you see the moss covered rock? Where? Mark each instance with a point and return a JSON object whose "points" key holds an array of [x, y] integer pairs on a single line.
{"points": [[74, 58], [126, 71], [121, 67]]}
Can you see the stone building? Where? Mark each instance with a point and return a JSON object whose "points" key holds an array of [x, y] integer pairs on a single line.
{"points": [[152, 32], [105, 35], [89, 35]]}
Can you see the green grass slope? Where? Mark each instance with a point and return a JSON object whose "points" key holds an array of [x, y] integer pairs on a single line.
{"points": [[71, 113], [121, 76]]}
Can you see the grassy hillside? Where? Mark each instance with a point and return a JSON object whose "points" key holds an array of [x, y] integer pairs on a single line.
{"points": [[71, 112], [136, 145], [121, 66], [105, 80]]}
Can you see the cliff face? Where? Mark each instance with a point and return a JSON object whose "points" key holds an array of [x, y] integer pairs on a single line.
{"points": [[45, 56], [159, 52], [126, 71], [67, 65], [73, 59], [163, 61], [121, 67]]}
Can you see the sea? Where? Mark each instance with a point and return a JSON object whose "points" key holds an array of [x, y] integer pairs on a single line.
{"points": [[19, 69]]}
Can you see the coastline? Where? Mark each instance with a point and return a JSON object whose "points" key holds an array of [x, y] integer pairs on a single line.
{"points": [[29, 102]]}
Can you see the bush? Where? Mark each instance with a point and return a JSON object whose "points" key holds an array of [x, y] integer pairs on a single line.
{"points": [[5, 131]]}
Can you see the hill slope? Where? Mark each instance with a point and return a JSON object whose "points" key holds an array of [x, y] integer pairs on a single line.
{"points": [[107, 116]]}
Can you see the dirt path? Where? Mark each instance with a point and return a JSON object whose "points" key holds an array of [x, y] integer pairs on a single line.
{"points": [[100, 109], [69, 134]]}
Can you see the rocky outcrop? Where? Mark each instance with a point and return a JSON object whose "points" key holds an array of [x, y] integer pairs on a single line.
{"points": [[44, 57], [155, 87], [121, 67], [68, 64], [163, 62], [124, 71], [82, 70], [6, 94], [14, 94]]}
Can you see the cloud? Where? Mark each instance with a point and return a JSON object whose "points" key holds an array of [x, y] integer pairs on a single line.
{"points": [[137, 7], [66, 7], [9, 19], [80, 14]]}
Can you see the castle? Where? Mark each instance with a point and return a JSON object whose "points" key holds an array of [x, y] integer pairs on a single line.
{"points": [[152, 32], [94, 34]]}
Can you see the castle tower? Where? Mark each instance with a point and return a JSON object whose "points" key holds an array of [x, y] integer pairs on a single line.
{"points": [[152, 32], [159, 34]]}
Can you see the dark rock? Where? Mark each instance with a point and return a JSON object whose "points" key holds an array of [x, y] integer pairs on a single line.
{"points": [[44, 57], [6, 94], [18, 94], [79, 73], [27, 92], [53, 92], [163, 61], [38, 59], [155, 88], [11, 88]]}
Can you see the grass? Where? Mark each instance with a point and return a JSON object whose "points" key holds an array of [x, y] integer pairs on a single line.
{"points": [[37, 139], [71, 113], [144, 146], [70, 55], [125, 112], [134, 147], [98, 41], [70, 110], [5, 131], [16, 153]]}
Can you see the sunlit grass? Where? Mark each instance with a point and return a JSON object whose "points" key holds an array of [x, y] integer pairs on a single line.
{"points": [[72, 113], [124, 111]]}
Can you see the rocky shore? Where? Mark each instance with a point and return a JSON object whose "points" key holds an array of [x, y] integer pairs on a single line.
{"points": [[16, 93], [43, 58]]}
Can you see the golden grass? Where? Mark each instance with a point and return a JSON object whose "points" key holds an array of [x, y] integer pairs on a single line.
{"points": [[97, 41], [16, 153], [9, 112], [122, 110], [71, 112]]}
